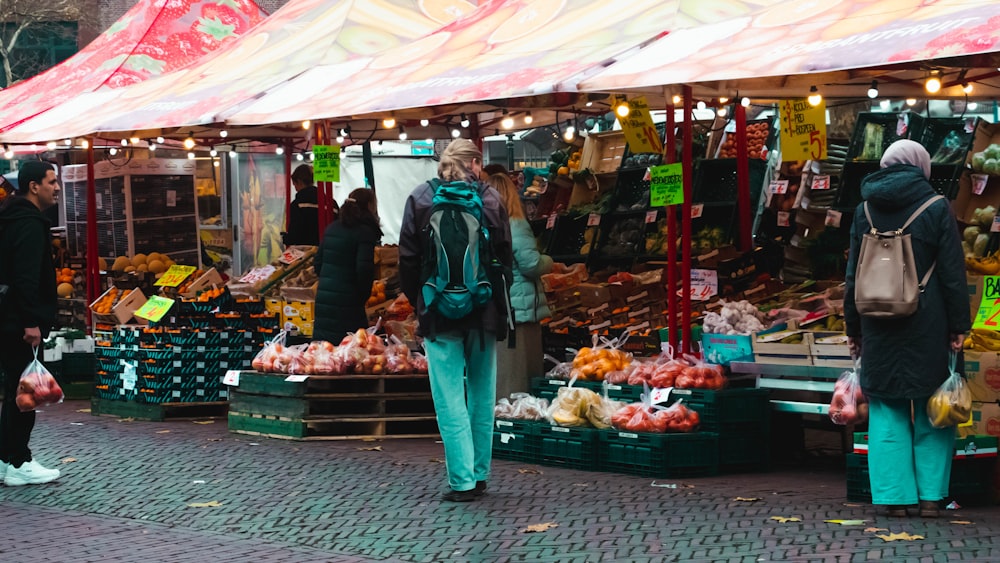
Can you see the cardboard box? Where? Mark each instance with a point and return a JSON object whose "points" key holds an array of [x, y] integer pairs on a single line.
{"points": [[985, 420], [297, 317], [602, 152], [982, 375], [273, 305], [967, 202], [725, 348], [594, 294], [208, 280], [122, 312], [387, 255]]}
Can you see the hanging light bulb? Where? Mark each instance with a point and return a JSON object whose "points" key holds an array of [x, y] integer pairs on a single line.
{"points": [[312, 157], [51, 145], [745, 102], [7, 153], [223, 133], [815, 98], [723, 99], [425, 122], [389, 122], [299, 157], [306, 124], [528, 119], [464, 121], [340, 139], [215, 163], [279, 150], [191, 155], [124, 142], [152, 147], [701, 105], [134, 140], [159, 140], [933, 84], [972, 106], [507, 122], [402, 133], [676, 99], [590, 104], [68, 142], [84, 143], [622, 110], [232, 152], [967, 87], [911, 101], [189, 142], [455, 133], [112, 151], [873, 90], [885, 105], [570, 131], [213, 153], [722, 112]]}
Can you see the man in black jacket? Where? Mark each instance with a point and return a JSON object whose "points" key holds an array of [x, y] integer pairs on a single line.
{"points": [[27, 311], [303, 214]]}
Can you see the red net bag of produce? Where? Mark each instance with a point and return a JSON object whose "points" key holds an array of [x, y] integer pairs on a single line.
{"points": [[265, 359], [37, 387], [397, 357], [849, 404], [701, 375]]}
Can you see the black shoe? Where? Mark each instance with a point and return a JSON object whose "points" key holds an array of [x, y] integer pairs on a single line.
{"points": [[480, 488], [896, 511], [929, 509], [461, 496]]}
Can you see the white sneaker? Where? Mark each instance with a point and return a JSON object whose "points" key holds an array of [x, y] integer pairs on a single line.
{"points": [[30, 473]]}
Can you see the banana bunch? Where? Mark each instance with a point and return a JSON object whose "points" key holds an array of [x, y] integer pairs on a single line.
{"points": [[986, 266], [951, 408], [834, 323], [982, 340]]}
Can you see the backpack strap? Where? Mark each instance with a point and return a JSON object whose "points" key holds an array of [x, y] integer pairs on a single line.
{"points": [[923, 207]]}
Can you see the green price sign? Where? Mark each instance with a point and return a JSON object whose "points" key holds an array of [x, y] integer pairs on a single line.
{"points": [[988, 316], [326, 166], [666, 185], [155, 308]]}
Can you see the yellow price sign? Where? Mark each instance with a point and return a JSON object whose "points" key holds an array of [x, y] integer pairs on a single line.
{"points": [[638, 127], [175, 275], [988, 316], [155, 308], [803, 130]]}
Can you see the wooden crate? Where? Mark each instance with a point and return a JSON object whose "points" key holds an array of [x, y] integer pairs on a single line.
{"points": [[781, 353], [836, 355], [156, 412], [602, 152]]}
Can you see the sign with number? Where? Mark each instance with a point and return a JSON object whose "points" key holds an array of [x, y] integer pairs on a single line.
{"points": [[784, 219], [154, 308], [639, 129], [594, 219], [803, 130], [779, 187], [697, 209], [995, 227], [704, 284], [650, 216], [291, 256], [258, 274], [979, 182], [821, 182], [666, 185], [232, 377], [658, 396], [988, 316], [326, 166], [175, 275]]}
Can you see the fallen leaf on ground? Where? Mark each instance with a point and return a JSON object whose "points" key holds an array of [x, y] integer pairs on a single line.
{"points": [[903, 536], [129, 419], [215, 439], [784, 519], [371, 449], [581, 484], [671, 485], [876, 529], [539, 527], [852, 505], [163, 432], [746, 499], [204, 421], [400, 463], [68, 459], [82, 410], [369, 439], [76, 424], [846, 522], [962, 522], [208, 504], [436, 460], [529, 470]]}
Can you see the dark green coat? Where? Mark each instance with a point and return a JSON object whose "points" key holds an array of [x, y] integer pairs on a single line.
{"points": [[908, 358], [26, 266], [345, 264]]}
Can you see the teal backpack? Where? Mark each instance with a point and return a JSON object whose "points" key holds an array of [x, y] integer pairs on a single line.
{"points": [[457, 254]]}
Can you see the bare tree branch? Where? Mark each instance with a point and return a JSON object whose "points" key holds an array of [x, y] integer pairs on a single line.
{"points": [[42, 18]]}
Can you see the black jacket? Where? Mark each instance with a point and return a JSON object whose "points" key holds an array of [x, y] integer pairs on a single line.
{"points": [[303, 218], [345, 264], [26, 266], [908, 358], [416, 215]]}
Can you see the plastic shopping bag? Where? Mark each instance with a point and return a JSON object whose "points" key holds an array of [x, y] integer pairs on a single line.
{"points": [[849, 404], [37, 387], [951, 404]]}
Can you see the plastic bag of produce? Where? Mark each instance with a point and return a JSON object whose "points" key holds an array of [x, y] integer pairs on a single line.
{"points": [[623, 375], [521, 406], [37, 387], [265, 359], [593, 364], [560, 370], [419, 363], [600, 412], [701, 375], [849, 404], [293, 361], [324, 358], [647, 417], [570, 406], [951, 404], [397, 357], [563, 276]]}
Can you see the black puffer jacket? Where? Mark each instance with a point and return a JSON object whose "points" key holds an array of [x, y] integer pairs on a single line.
{"points": [[908, 358], [26, 266], [345, 264]]}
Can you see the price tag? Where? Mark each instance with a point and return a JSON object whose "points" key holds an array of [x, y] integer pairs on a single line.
{"points": [[988, 316], [660, 396], [258, 274], [704, 284], [995, 227], [820, 183], [550, 223], [833, 218], [970, 124], [296, 378], [326, 163], [650, 217], [979, 182], [171, 198], [154, 308], [129, 376], [291, 256], [232, 377], [175, 275], [594, 219], [779, 187], [902, 124], [697, 209], [784, 219], [99, 203]]}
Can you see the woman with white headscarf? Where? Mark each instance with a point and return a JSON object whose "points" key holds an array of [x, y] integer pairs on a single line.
{"points": [[904, 360]]}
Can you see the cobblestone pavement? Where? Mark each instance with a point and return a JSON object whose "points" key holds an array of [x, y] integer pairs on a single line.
{"points": [[126, 492]]}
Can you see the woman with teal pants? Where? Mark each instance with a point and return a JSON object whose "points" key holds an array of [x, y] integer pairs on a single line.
{"points": [[904, 360], [461, 353]]}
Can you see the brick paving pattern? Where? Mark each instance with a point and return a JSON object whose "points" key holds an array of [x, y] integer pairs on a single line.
{"points": [[126, 497]]}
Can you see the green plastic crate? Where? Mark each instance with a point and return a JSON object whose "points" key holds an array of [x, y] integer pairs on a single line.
{"points": [[575, 448], [660, 455], [516, 440], [745, 451], [728, 409]]}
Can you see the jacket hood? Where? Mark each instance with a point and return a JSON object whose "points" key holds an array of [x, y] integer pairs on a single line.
{"points": [[896, 187], [20, 208]]}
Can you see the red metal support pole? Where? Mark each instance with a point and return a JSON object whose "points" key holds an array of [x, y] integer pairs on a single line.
{"points": [[93, 255], [327, 186], [669, 157], [743, 210], [687, 167], [288, 189], [321, 203]]}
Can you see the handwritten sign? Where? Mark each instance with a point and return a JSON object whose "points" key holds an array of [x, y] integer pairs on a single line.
{"points": [[639, 129], [650, 216], [784, 219], [291, 255], [697, 209], [258, 274], [666, 185], [175, 275], [154, 308], [232, 377], [779, 187], [979, 182], [821, 182], [995, 227], [803, 130], [594, 219], [988, 316], [658, 396], [704, 284], [326, 166]]}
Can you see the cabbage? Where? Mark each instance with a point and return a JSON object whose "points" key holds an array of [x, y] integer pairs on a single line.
{"points": [[978, 160], [979, 247], [970, 233]]}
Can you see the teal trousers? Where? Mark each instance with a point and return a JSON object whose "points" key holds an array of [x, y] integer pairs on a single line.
{"points": [[908, 459], [463, 374]]}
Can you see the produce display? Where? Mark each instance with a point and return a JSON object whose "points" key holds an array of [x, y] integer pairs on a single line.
{"points": [[976, 238], [987, 161], [521, 406], [359, 353], [739, 317], [576, 406], [154, 262], [643, 417], [594, 364], [107, 302], [982, 340], [757, 134]]}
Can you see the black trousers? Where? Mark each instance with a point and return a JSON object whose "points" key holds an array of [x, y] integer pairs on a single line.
{"points": [[15, 426]]}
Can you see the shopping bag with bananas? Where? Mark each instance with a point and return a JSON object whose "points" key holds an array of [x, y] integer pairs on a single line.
{"points": [[951, 404]]}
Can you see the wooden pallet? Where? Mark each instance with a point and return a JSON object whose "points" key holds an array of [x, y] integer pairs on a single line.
{"points": [[157, 412], [345, 427]]}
